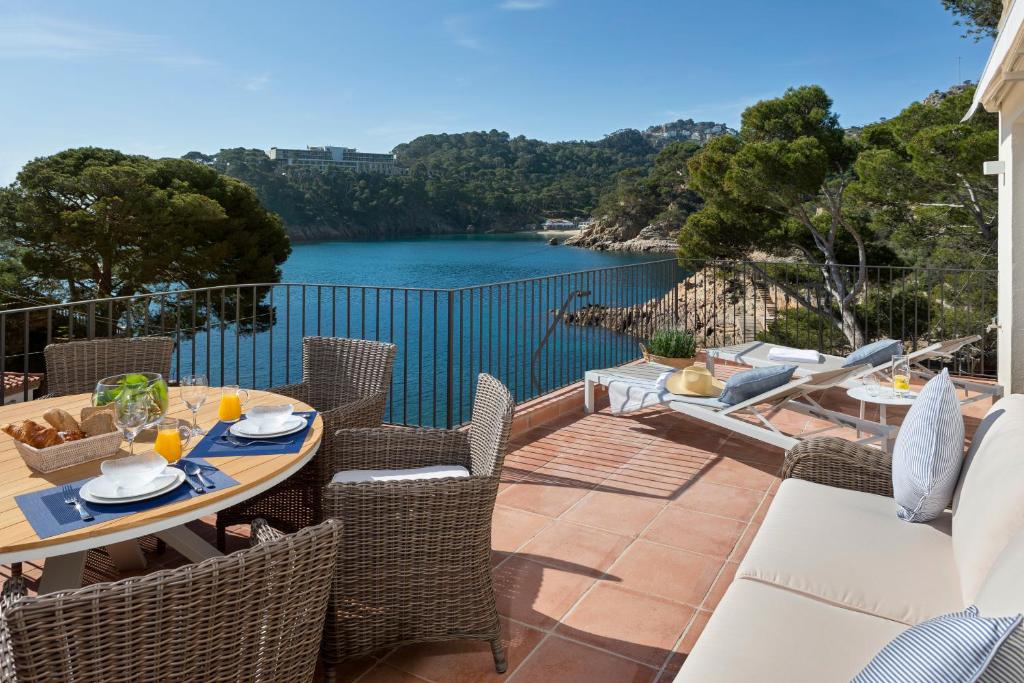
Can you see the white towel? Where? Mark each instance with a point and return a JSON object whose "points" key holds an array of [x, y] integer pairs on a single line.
{"points": [[628, 396], [788, 355]]}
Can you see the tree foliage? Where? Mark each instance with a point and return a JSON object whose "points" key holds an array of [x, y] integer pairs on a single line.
{"points": [[487, 180], [658, 195], [780, 188], [96, 223], [980, 18], [921, 175]]}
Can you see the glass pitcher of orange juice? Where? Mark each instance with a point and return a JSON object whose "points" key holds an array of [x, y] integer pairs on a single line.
{"points": [[901, 375], [172, 437], [232, 398]]}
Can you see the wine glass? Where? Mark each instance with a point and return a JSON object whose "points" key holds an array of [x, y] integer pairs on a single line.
{"points": [[194, 389], [131, 416]]}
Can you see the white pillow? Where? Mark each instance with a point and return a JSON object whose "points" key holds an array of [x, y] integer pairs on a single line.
{"points": [[929, 452], [432, 472]]}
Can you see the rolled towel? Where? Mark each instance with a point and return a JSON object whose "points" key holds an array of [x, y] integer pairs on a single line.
{"points": [[785, 354]]}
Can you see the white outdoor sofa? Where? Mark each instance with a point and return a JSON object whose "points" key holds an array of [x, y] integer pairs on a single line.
{"points": [[833, 575]]}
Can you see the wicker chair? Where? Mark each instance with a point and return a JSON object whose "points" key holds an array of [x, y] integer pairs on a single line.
{"points": [[346, 380], [416, 566], [75, 367], [837, 462], [255, 615]]}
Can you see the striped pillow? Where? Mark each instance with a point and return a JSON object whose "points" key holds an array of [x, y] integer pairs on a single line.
{"points": [[929, 452], [953, 648]]}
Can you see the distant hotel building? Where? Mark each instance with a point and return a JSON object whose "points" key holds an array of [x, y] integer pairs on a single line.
{"points": [[337, 157]]}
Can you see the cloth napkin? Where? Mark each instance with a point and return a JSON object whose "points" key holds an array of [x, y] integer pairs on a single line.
{"points": [[629, 396], [788, 355]]}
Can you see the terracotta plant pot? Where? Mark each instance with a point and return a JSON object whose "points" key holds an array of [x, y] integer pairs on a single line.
{"points": [[678, 363]]}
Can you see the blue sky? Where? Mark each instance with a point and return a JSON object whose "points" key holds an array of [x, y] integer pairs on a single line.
{"points": [[165, 78]]}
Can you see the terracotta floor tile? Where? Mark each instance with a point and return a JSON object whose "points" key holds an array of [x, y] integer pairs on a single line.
{"points": [[739, 473], [623, 514], [721, 585], [560, 661], [351, 669], [382, 673], [567, 543], [574, 470], [695, 531], [718, 499], [666, 572], [511, 527], [635, 625], [743, 545], [467, 661], [693, 631], [536, 594], [544, 498]]}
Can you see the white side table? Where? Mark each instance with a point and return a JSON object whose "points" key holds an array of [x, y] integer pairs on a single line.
{"points": [[886, 397]]}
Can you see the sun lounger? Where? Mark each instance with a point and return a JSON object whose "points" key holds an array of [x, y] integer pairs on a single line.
{"points": [[756, 354], [641, 382]]}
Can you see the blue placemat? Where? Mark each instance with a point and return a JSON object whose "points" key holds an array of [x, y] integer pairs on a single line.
{"points": [[49, 515], [213, 446]]}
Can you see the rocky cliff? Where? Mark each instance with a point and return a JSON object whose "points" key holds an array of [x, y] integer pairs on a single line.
{"points": [[603, 236], [721, 308]]}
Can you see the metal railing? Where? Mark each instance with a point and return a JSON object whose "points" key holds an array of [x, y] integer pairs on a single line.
{"points": [[536, 335]]}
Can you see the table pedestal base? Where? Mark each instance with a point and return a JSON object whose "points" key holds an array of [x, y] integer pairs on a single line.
{"points": [[64, 572]]}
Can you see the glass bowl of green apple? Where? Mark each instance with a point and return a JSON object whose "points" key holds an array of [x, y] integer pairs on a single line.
{"points": [[146, 387]]}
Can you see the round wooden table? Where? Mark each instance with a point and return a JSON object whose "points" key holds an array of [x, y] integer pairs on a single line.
{"points": [[65, 553]]}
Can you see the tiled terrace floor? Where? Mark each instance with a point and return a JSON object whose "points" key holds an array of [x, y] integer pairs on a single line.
{"points": [[614, 539]]}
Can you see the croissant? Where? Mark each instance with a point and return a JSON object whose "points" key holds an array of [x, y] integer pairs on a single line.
{"points": [[34, 434]]}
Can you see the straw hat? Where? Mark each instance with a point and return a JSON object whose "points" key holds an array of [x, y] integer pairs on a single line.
{"points": [[694, 381]]}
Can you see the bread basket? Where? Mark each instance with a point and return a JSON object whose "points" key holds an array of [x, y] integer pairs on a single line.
{"points": [[70, 453]]}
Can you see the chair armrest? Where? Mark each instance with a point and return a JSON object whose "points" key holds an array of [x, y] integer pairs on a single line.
{"points": [[299, 391], [262, 532], [367, 411], [837, 462], [387, 448]]}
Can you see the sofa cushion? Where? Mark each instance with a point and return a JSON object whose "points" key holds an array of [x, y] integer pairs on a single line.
{"points": [[929, 452], [954, 648], [990, 506], [1002, 593], [747, 384], [848, 548], [770, 635], [875, 353]]}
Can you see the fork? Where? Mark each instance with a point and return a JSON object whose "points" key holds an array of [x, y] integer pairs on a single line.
{"points": [[71, 499]]}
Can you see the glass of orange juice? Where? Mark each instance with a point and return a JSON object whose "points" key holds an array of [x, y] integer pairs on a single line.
{"points": [[232, 398], [172, 437], [901, 375]]}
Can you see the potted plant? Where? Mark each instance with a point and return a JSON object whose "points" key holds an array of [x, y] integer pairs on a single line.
{"points": [[675, 348]]}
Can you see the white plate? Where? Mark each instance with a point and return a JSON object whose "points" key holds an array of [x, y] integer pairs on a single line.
{"points": [[103, 491], [295, 423]]}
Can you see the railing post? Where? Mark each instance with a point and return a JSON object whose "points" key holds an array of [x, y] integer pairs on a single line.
{"points": [[91, 321], [450, 343]]}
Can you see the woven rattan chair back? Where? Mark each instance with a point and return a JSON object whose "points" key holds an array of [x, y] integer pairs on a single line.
{"points": [[255, 615], [75, 367], [489, 426], [339, 371]]}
